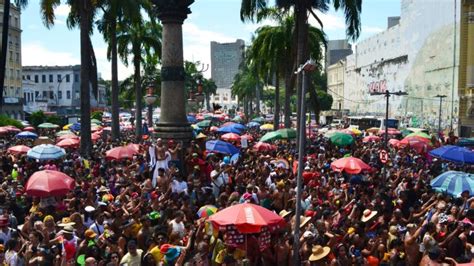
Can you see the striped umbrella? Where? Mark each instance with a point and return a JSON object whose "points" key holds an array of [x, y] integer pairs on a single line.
{"points": [[46, 152], [454, 183], [206, 211]]}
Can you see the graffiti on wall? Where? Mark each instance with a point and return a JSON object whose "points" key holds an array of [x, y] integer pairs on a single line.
{"points": [[377, 86]]}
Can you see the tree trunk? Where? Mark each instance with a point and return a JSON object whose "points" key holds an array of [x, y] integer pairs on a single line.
{"points": [[250, 103], [3, 55], [288, 90], [85, 25], [138, 93], [208, 101], [246, 107], [276, 113], [115, 83], [257, 99]]}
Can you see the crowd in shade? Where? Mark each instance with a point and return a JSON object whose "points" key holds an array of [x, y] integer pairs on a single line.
{"points": [[231, 200]]}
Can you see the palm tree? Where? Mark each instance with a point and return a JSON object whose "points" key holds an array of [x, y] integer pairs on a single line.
{"points": [[245, 83], [114, 11], [139, 39], [352, 8]]}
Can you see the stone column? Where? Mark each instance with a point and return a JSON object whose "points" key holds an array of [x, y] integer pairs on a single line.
{"points": [[173, 122]]}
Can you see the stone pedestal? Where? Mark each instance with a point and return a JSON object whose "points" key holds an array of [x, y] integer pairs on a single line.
{"points": [[173, 122]]}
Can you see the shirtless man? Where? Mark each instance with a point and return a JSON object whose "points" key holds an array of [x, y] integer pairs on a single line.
{"points": [[411, 246]]}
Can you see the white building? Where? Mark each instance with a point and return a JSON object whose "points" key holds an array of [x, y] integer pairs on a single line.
{"points": [[335, 80], [414, 56], [59, 87], [224, 98]]}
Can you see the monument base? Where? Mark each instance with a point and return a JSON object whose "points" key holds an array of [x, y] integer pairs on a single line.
{"points": [[177, 132]]}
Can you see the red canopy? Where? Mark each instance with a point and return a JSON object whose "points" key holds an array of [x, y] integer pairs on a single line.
{"points": [[118, 153], [247, 136], [262, 146], [68, 136], [19, 149], [350, 165], [49, 183], [247, 218], [68, 143], [393, 142], [31, 129], [419, 144], [371, 138], [230, 137]]}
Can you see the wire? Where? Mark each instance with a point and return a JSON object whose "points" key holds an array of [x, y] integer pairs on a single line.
{"points": [[361, 102]]}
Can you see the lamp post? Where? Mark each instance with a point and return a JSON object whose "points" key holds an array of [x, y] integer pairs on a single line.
{"points": [[307, 67], [439, 118], [150, 99], [387, 95]]}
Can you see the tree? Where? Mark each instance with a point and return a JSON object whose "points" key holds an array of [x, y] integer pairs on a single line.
{"points": [[245, 83], [140, 39], [115, 11]]}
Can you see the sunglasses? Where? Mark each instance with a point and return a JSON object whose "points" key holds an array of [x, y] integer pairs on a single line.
{"points": [[114, 257]]}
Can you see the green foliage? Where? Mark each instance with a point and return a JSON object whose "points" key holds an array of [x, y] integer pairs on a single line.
{"points": [[7, 121], [37, 118], [325, 100], [54, 119], [97, 115]]}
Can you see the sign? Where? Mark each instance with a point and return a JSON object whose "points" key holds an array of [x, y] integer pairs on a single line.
{"points": [[383, 156], [377, 86], [243, 143]]}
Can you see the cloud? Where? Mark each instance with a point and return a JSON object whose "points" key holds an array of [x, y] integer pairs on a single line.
{"points": [[197, 43], [105, 68], [59, 22], [62, 10], [330, 21], [35, 54]]}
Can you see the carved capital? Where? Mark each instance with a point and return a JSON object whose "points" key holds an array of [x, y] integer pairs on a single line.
{"points": [[172, 11]]}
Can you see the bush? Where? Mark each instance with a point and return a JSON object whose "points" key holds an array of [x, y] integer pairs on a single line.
{"points": [[7, 121], [37, 118], [54, 119], [97, 115]]}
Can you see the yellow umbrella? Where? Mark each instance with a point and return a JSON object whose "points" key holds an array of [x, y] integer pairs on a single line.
{"points": [[194, 126], [373, 130], [266, 127], [66, 127], [356, 131], [201, 136]]}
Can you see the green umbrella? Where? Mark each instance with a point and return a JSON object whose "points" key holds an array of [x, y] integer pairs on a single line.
{"points": [[47, 125], [237, 119], [419, 134], [341, 139], [274, 135], [95, 121], [287, 133], [258, 120], [63, 132], [406, 132], [204, 123]]}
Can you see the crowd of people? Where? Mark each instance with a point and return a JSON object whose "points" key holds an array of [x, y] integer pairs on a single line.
{"points": [[144, 211]]}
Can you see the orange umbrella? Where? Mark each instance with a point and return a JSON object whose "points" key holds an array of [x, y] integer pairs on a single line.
{"points": [[119, 153], [20, 149], [68, 143]]}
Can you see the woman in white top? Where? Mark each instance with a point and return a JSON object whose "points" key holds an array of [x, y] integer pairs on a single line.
{"points": [[177, 225], [11, 255]]}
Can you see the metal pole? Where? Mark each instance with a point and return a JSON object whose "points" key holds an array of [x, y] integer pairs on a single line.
{"points": [[454, 66], [301, 145], [150, 116], [387, 95], [440, 106]]}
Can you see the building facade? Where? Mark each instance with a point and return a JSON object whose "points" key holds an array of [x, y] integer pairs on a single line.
{"points": [[466, 69], [59, 88], [335, 82], [418, 56], [226, 59], [12, 92], [336, 51]]}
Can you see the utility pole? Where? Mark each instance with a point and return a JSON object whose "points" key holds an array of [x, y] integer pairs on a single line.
{"points": [[440, 105]]}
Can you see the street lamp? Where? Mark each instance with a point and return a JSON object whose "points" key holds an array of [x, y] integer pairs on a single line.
{"points": [[150, 99], [307, 67], [387, 94], [439, 119]]}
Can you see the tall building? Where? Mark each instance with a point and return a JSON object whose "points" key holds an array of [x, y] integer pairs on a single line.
{"points": [[57, 89], [419, 56], [225, 61], [466, 69], [335, 80], [12, 93], [337, 50]]}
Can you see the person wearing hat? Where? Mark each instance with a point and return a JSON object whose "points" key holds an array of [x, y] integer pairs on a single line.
{"points": [[134, 255], [5, 231], [98, 225], [318, 256]]}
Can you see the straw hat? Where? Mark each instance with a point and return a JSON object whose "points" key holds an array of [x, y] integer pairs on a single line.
{"points": [[66, 221], [304, 221], [67, 230], [318, 252], [284, 213], [367, 215]]}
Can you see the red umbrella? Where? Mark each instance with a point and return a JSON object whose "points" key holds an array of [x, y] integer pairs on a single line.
{"points": [[262, 146], [12, 129], [230, 137], [350, 165], [118, 153], [348, 131], [95, 136], [419, 144], [3, 130], [247, 218], [393, 142], [19, 149], [391, 131], [68, 136], [68, 143], [135, 147], [31, 129], [371, 138], [247, 136], [49, 183], [213, 129]]}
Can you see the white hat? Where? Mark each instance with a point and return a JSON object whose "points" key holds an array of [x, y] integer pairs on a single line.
{"points": [[89, 209], [367, 215]]}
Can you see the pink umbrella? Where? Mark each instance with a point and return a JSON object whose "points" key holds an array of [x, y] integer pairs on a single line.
{"points": [[49, 183], [393, 142], [119, 153], [371, 138], [350, 165], [19, 149], [68, 136], [262, 146], [230, 137], [68, 143]]}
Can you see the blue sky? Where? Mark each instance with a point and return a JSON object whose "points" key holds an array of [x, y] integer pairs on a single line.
{"points": [[211, 20]]}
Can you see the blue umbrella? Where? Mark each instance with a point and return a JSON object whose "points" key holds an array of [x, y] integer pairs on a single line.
{"points": [[253, 124], [235, 158], [46, 152], [26, 135], [75, 127], [454, 154], [454, 183], [238, 126], [219, 146], [192, 119], [229, 129]]}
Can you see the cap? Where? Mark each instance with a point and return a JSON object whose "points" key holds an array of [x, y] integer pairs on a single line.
{"points": [[90, 234]]}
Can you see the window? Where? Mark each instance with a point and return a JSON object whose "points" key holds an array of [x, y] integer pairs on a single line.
{"points": [[17, 58], [24, 96], [59, 77], [60, 94], [68, 95], [11, 56], [17, 92], [36, 79], [51, 79], [43, 78], [28, 77], [16, 22], [67, 78], [37, 94], [76, 77], [51, 95], [18, 74], [45, 94]]}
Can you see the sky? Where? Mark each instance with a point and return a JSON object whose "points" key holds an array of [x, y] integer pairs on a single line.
{"points": [[210, 20]]}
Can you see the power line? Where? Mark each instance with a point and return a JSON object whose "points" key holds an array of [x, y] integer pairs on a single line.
{"points": [[361, 102]]}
